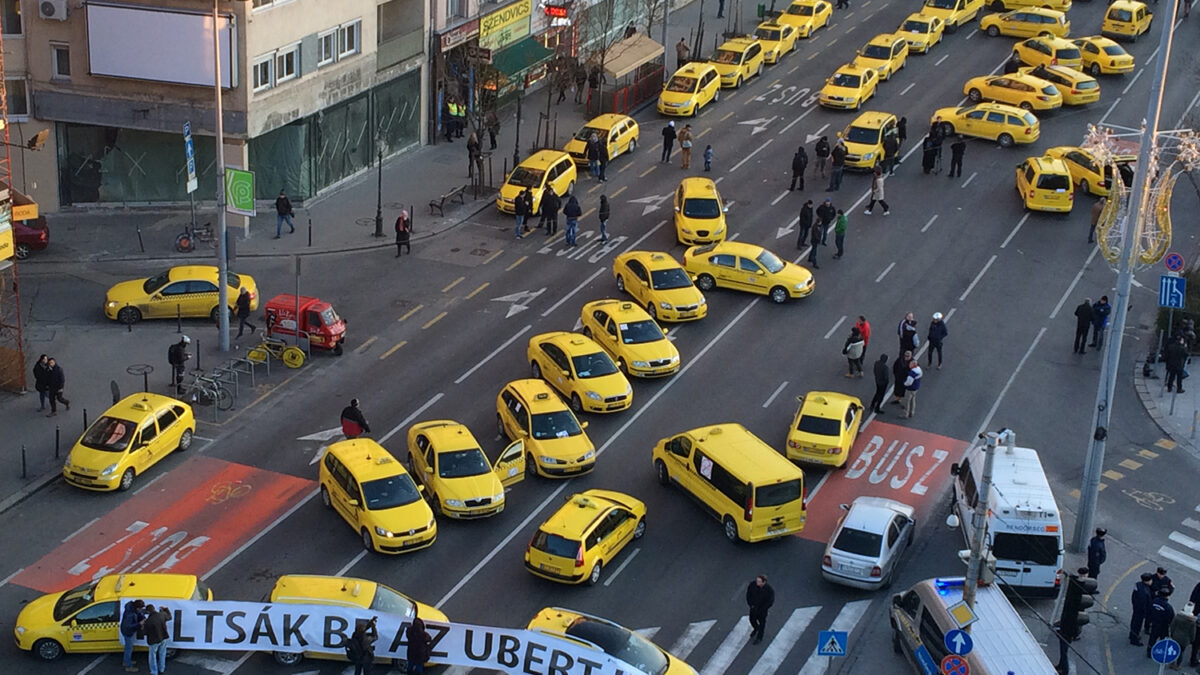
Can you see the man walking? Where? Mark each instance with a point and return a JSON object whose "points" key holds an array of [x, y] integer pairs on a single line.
{"points": [[937, 333], [1176, 360], [354, 423], [1083, 321], [572, 212], [911, 384], [243, 312], [891, 152], [603, 212], [593, 155], [41, 380], [882, 380], [957, 149], [603, 156], [668, 134], [685, 147], [404, 232], [805, 223], [837, 161], [825, 216], [1097, 210], [814, 240], [839, 234], [853, 351], [682, 53], [1140, 600], [177, 356], [1100, 312], [283, 212], [799, 164], [899, 375], [759, 597], [877, 194], [821, 150], [131, 621], [157, 633], [864, 329], [1096, 553]]}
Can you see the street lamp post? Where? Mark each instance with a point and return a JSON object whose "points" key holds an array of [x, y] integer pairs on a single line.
{"points": [[222, 251], [379, 196]]}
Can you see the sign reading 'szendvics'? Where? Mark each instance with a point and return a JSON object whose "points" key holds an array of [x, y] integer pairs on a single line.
{"points": [[505, 26]]}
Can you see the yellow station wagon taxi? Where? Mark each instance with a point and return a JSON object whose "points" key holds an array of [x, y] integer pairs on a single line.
{"points": [[311, 589], [1027, 23], [575, 543], [85, 619], [849, 87], [807, 16], [602, 635], [922, 31], [953, 13], [777, 39], [1089, 174], [459, 481], [634, 339], [999, 122], [864, 138], [541, 171], [1102, 56], [376, 496], [660, 284], [129, 438], [580, 370], [620, 131], [189, 291], [1048, 51], [1126, 19], [746, 267], [690, 89], [1076, 88], [1044, 184], [699, 213], [738, 60], [886, 53], [555, 443], [824, 428], [1023, 91]]}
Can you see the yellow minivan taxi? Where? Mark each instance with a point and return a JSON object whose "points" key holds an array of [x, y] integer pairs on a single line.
{"points": [[85, 619], [738, 60], [1044, 184], [755, 492], [575, 543], [312, 589], [541, 171], [128, 439], [864, 138], [634, 339], [620, 131], [699, 213], [580, 370], [1027, 22], [1126, 19], [459, 481], [376, 496], [555, 443], [691, 88]]}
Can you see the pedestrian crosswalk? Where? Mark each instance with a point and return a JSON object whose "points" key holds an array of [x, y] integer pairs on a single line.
{"points": [[1186, 539]]}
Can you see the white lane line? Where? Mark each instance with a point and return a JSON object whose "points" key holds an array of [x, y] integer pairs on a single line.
{"points": [[405, 422], [1187, 110], [648, 633], [814, 489], [734, 236], [939, 61], [651, 231], [146, 484], [910, 86], [695, 633], [987, 421], [845, 620], [88, 668], [1074, 282], [747, 157], [1187, 541], [1132, 80], [258, 535], [977, 278], [572, 292], [628, 559], [85, 526], [203, 438], [929, 223], [1109, 111], [884, 272], [970, 178], [835, 326], [718, 180], [781, 196], [782, 385], [949, 314], [729, 648], [1181, 558], [1192, 523], [1015, 230], [971, 34], [246, 657], [784, 640], [793, 122], [9, 578], [353, 561], [495, 351], [213, 664]]}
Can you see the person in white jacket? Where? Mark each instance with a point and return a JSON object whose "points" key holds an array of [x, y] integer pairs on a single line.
{"points": [[853, 350]]}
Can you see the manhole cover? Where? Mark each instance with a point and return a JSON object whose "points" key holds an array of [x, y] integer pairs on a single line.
{"points": [[480, 252], [365, 222]]}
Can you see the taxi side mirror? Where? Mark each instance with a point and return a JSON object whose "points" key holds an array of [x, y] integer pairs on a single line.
{"points": [[844, 507], [353, 502], [799, 399], [567, 374], [954, 469], [521, 433], [583, 425]]}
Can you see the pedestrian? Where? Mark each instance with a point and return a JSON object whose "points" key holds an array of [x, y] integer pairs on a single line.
{"points": [[493, 127], [891, 153], [1183, 631], [41, 380], [243, 312], [936, 335], [1097, 210], [593, 156], [1096, 553], [1161, 580], [685, 147], [668, 134], [603, 156], [864, 329], [882, 380], [131, 623], [1012, 64], [157, 633], [839, 234], [957, 149], [805, 223], [354, 423], [572, 211], [708, 154], [1176, 358], [799, 164], [814, 240], [177, 357], [420, 645], [907, 332], [929, 154], [911, 384], [520, 209], [822, 151], [853, 351], [361, 646], [283, 213], [899, 375], [1083, 321], [57, 380], [682, 53], [1140, 601], [550, 206], [759, 597], [837, 162], [877, 193], [473, 150], [1194, 603], [1100, 312], [404, 232], [825, 216], [720, 9], [602, 212], [448, 119], [595, 77], [581, 79], [1160, 617], [901, 136]]}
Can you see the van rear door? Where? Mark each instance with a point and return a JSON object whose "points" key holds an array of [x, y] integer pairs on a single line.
{"points": [[778, 509], [1029, 561]]}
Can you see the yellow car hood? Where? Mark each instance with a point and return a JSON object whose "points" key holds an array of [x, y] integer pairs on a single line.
{"points": [[651, 351], [679, 296], [792, 274], [575, 145], [725, 68], [869, 62], [676, 96], [39, 613], [401, 519], [613, 384], [84, 457], [568, 447], [509, 191], [470, 487], [861, 148], [127, 290]]}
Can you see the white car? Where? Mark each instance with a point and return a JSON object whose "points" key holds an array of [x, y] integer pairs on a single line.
{"points": [[868, 543]]}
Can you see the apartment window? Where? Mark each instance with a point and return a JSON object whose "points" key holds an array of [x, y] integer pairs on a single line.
{"points": [[349, 39], [18, 99], [261, 4], [263, 75], [456, 9], [60, 57], [287, 63], [325, 48], [10, 16]]}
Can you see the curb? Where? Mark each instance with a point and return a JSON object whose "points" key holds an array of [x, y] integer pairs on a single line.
{"points": [[1142, 385], [28, 491]]}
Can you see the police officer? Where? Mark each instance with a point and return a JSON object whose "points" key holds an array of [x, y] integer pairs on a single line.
{"points": [[1161, 580], [1140, 599], [1161, 615], [1096, 553], [177, 356]]}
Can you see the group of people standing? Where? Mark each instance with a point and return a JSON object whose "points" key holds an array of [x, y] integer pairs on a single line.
{"points": [[142, 621], [1091, 316], [1155, 617], [905, 374], [685, 138]]}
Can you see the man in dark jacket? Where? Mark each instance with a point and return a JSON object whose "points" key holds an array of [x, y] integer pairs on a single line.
{"points": [[1176, 359], [821, 150], [825, 215], [41, 380], [1140, 600], [283, 212], [521, 210], [668, 134], [177, 356], [1096, 553], [837, 160], [799, 164], [882, 380], [1012, 64], [1161, 580], [814, 240], [550, 206], [243, 312], [603, 158], [131, 621], [1100, 312], [891, 152], [907, 333], [805, 223], [420, 644], [593, 155], [354, 423], [957, 149], [157, 635], [759, 597], [1160, 616], [937, 334], [57, 381], [1083, 321]]}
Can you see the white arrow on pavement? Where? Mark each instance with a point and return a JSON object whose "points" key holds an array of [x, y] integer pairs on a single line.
{"points": [[759, 124], [812, 137], [326, 435], [782, 232], [650, 203], [577, 326], [520, 301]]}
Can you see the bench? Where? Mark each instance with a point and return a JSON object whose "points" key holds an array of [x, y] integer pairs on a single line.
{"points": [[440, 202]]}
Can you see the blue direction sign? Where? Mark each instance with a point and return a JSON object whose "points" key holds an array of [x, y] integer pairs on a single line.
{"points": [[831, 643], [1165, 650], [1171, 291], [190, 152], [958, 642], [953, 664], [928, 665], [1173, 261]]}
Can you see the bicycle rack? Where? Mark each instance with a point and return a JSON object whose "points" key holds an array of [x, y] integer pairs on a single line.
{"points": [[242, 365], [304, 341], [227, 374]]}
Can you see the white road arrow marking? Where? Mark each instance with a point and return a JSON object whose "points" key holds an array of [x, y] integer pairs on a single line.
{"points": [[650, 203], [326, 435], [782, 232], [578, 325], [520, 301], [812, 137], [760, 124]]}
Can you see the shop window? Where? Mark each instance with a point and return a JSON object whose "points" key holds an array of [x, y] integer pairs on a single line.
{"points": [[60, 57], [287, 63], [18, 100], [263, 73], [10, 17], [349, 39]]}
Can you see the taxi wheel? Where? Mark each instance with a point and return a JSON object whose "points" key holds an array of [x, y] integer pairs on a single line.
{"points": [[993, 31], [947, 128], [570, 187], [214, 314], [126, 480], [129, 315], [731, 532], [716, 96], [779, 295], [660, 469], [1005, 141], [366, 540], [652, 311], [620, 283], [621, 366], [535, 371], [288, 658], [576, 404], [705, 282], [896, 643], [632, 146], [530, 467], [975, 95], [435, 505], [640, 530], [587, 332], [325, 498], [738, 83], [1084, 187], [185, 441], [760, 67], [597, 572], [1095, 70], [1025, 105], [47, 649], [887, 582]]}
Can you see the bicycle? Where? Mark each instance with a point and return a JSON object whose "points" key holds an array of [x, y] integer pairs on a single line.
{"points": [[291, 355], [186, 241], [206, 390]]}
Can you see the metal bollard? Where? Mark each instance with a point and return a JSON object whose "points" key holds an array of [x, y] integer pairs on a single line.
{"points": [[85, 423], [178, 319], [57, 439], [24, 472], [141, 244], [310, 231]]}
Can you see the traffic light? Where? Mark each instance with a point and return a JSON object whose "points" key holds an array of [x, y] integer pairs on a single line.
{"points": [[1080, 590]]}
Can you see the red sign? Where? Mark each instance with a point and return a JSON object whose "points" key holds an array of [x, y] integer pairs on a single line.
{"points": [[954, 664], [556, 11]]}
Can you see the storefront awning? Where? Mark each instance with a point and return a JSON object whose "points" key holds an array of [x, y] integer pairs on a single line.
{"points": [[521, 56], [630, 53]]}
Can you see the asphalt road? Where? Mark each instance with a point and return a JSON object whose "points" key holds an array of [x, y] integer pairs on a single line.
{"points": [[434, 339]]}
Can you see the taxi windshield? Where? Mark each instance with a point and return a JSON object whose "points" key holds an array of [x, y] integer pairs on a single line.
{"points": [[913, 26], [387, 601], [156, 282], [108, 433], [862, 135], [390, 492], [638, 332], [767, 33], [585, 133], [941, 4], [770, 261], [701, 208], [818, 426], [462, 463], [560, 424], [845, 80], [524, 177], [329, 317], [726, 56], [800, 10], [682, 84], [593, 365], [74, 600], [858, 542], [622, 644], [877, 52], [664, 280]]}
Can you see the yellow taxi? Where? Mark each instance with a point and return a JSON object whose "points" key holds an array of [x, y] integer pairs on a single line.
{"points": [[1044, 184], [373, 493], [580, 370], [634, 339], [922, 31], [555, 443], [746, 267], [999, 122], [1048, 51], [660, 284], [886, 53], [620, 131], [807, 16], [1077, 88], [690, 89], [459, 481], [602, 635], [1090, 175], [543, 170], [738, 60], [1126, 19], [1027, 23], [864, 138], [1058, 5], [953, 13], [777, 39], [189, 291], [86, 618], [849, 87], [575, 543], [311, 589], [1023, 91], [699, 213], [824, 428], [1102, 56], [128, 439]]}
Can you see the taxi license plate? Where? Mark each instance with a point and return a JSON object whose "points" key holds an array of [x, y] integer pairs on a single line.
{"points": [[548, 568], [777, 529], [849, 569]]}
